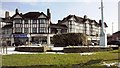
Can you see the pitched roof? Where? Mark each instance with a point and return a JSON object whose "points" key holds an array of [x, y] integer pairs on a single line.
{"points": [[118, 32], [80, 20], [7, 26], [6, 20], [31, 15], [15, 15]]}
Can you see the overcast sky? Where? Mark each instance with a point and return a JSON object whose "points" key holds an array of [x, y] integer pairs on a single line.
{"points": [[62, 8]]}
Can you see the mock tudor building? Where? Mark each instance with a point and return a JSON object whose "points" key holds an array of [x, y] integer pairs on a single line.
{"points": [[36, 27], [28, 27], [31, 26], [76, 24]]}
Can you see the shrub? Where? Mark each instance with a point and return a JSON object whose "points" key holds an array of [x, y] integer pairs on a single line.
{"points": [[73, 39]]}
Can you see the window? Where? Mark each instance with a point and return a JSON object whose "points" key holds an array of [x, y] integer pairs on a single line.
{"points": [[18, 25], [34, 25], [70, 22], [25, 30], [42, 30], [26, 21], [43, 25], [39, 21], [42, 21], [18, 21], [34, 21], [18, 29], [34, 30], [26, 25]]}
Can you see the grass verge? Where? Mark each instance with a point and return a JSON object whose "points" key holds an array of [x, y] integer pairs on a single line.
{"points": [[60, 60]]}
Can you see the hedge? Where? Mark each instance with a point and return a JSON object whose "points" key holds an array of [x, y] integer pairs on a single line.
{"points": [[32, 49], [85, 49], [72, 39]]}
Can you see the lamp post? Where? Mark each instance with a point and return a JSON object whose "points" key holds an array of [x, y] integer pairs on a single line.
{"points": [[48, 36], [103, 37], [49, 20]]}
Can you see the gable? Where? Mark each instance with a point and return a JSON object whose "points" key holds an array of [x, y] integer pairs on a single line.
{"points": [[42, 16], [87, 22], [93, 23], [65, 23], [72, 18], [17, 16]]}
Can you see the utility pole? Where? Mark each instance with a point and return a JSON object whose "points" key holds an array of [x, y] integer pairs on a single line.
{"points": [[103, 36]]}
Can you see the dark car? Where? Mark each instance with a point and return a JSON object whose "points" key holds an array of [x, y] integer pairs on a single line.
{"points": [[114, 43], [17, 43], [8, 43]]}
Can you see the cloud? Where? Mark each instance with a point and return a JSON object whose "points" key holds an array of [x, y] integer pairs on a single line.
{"points": [[33, 1], [49, 1]]}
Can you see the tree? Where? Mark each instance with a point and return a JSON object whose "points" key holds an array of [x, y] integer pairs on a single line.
{"points": [[73, 39]]}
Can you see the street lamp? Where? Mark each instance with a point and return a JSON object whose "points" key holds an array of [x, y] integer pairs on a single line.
{"points": [[103, 36]]}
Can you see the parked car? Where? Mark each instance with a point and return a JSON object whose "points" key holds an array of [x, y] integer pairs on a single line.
{"points": [[17, 44], [114, 43]]}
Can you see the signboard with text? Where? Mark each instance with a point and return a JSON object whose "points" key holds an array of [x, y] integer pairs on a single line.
{"points": [[20, 35]]}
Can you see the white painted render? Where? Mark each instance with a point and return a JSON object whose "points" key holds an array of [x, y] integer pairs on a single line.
{"points": [[17, 16], [42, 16]]}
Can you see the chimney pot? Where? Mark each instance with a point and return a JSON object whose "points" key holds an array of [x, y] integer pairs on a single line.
{"points": [[59, 21], [85, 16], [17, 11], [20, 13], [48, 13], [6, 14]]}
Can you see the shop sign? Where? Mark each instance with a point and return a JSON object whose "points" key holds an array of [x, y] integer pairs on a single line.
{"points": [[20, 35]]}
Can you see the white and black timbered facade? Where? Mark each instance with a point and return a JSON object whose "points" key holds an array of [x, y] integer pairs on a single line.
{"points": [[31, 22], [36, 27], [84, 25], [31, 26]]}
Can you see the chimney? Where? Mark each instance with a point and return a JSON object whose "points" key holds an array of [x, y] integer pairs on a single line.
{"points": [[6, 14], [85, 16], [16, 11], [99, 21], [20, 13], [48, 13], [59, 21]]}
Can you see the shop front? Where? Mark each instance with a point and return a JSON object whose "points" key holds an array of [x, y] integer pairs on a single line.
{"points": [[20, 39], [39, 40]]}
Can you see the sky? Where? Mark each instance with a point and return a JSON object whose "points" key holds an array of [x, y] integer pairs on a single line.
{"points": [[62, 8]]}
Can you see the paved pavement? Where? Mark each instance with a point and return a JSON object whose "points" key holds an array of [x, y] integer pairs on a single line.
{"points": [[10, 50]]}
